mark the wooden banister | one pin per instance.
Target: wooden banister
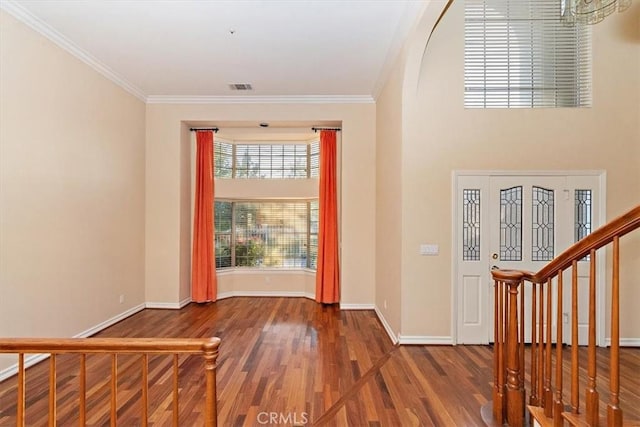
(601, 237)
(207, 348)
(509, 392)
(107, 345)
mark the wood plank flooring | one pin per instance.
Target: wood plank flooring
(287, 361)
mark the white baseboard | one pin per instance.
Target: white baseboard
(115, 319)
(386, 326)
(163, 305)
(625, 342)
(168, 305)
(357, 306)
(37, 358)
(424, 340)
(28, 362)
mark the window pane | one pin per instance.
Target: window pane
(271, 234)
(222, 217)
(542, 225)
(271, 161)
(314, 149)
(313, 234)
(222, 221)
(223, 159)
(511, 224)
(223, 250)
(471, 225)
(519, 54)
(583, 218)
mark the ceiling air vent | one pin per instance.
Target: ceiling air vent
(240, 86)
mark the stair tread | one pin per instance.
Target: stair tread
(580, 420)
(537, 413)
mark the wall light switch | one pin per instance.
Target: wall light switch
(429, 249)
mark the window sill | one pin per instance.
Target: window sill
(263, 270)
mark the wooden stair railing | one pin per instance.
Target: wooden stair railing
(546, 400)
(208, 348)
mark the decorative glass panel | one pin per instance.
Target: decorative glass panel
(583, 214)
(471, 225)
(542, 225)
(511, 224)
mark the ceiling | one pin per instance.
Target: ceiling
(170, 49)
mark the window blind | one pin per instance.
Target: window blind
(518, 54)
(223, 159)
(281, 234)
(314, 158)
(267, 161)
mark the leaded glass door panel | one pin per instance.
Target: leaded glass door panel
(527, 225)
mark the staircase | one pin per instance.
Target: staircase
(546, 404)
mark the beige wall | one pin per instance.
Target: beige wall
(167, 182)
(266, 189)
(440, 136)
(389, 200)
(264, 282)
(71, 190)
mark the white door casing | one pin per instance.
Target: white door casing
(477, 230)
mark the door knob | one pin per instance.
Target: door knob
(495, 267)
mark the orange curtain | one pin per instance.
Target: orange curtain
(328, 269)
(203, 263)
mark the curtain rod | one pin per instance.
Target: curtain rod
(317, 129)
(197, 129)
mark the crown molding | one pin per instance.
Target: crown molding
(24, 15)
(285, 99)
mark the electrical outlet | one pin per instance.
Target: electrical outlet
(384, 304)
(121, 298)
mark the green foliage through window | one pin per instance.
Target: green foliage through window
(266, 234)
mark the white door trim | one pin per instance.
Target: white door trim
(602, 211)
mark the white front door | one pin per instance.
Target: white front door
(517, 222)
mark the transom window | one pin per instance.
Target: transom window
(266, 161)
(518, 54)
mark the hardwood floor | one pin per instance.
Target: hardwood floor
(287, 361)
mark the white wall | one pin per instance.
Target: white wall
(71, 191)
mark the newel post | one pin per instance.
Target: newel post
(210, 350)
(507, 349)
